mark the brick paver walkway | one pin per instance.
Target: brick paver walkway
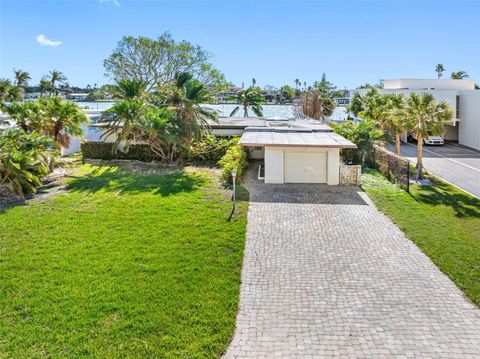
(327, 275)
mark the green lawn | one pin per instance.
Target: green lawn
(442, 220)
(123, 265)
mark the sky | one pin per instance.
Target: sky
(275, 42)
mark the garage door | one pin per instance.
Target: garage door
(305, 167)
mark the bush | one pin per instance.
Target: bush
(24, 161)
(210, 149)
(364, 134)
(235, 157)
(105, 151)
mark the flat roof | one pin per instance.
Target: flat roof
(276, 138)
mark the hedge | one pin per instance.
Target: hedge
(104, 151)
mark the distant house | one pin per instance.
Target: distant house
(33, 95)
(225, 97)
(77, 96)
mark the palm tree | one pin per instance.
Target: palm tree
(9, 92)
(425, 117)
(24, 160)
(61, 119)
(392, 117)
(297, 84)
(248, 98)
(124, 121)
(53, 78)
(185, 101)
(21, 78)
(459, 75)
(130, 89)
(44, 86)
(27, 115)
(439, 70)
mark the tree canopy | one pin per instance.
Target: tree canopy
(156, 61)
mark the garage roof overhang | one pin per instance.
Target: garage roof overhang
(289, 138)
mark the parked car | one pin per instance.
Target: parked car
(431, 140)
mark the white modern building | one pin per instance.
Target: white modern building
(462, 97)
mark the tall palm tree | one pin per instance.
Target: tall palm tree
(248, 98)
(426, 117)
(185, 101)
(392, 117)
(459, 75)
(439, 69)
(21, 78)
(297, 83)
(53, 78)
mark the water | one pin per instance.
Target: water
(224, 110)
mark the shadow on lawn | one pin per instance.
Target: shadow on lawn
(113, 179)
(441, 194)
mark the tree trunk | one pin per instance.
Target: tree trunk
(419, 157)
(397, 143)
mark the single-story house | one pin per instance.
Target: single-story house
(301, 152)
(296, 150)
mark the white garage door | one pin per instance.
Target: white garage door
(305, 167)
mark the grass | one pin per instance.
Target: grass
(123, 265)
(442, 220)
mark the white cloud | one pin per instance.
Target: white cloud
(114, 2)
(45, 41)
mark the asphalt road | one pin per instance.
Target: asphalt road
(455, 164)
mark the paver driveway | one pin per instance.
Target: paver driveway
(327, 275)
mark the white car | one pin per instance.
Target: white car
(431, 140)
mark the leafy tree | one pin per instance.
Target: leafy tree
(156, 61)
(439, 69)
(364, 134)
(21, 78)
(249, 97)
(287, 92)
(24, 161)
(324, 86)
(459, 75)
(425, 117)
(9, 92)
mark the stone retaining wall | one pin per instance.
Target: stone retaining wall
(350, 174)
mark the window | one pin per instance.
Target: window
(457, 107)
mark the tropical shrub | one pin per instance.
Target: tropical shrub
(24, 161)
(210, 148)
(364, 134)
(235, 157)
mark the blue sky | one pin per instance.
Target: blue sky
(353, 42)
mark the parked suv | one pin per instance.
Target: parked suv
(431, 140)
